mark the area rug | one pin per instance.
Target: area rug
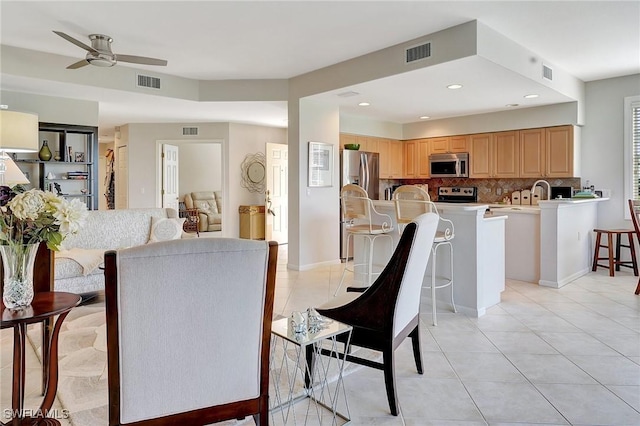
(83, 387)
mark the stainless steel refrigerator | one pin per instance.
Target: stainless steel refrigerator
(362, 169)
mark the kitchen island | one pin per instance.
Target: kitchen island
(550, 244)
(566, 239)
(479, 256)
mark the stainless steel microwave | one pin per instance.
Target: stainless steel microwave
(449, 165)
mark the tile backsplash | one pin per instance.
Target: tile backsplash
(489, 190)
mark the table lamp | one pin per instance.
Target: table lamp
(18, 133)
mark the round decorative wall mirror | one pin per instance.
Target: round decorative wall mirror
(253, 172)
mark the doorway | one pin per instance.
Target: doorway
(200, 168)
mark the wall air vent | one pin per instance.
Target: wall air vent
(147, 81)
(189, 131)
(547, 72)
(416, 53)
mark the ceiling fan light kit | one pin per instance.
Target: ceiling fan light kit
(99, 53)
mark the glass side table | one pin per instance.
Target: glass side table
(290, 371)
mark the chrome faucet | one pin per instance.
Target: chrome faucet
(548, 188)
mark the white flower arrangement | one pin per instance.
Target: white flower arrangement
(34, 216)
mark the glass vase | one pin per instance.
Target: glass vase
(17, 262)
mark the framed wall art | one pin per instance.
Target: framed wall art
(320, 164)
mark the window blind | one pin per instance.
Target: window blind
(635, 140)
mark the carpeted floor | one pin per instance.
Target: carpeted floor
(83, 387)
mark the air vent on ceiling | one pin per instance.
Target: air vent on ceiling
(147, 81)
(189, 131)
(348, 94)
(417, 52)
(547, 72)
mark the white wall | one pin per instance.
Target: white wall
(245, 139)
(200, 167)
(369, 127)
(525, 118)
(603, 142)
(52, 109)
(318, 224)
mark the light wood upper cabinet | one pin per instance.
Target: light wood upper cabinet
(494, 155)
(410, 152)
(391, 158)
(383, 150)
(480, 153)
(346, 138)
(506, 155)
(439, 145)
(396, 157)
(449, 144)
(459, 143)
(532, 153)
(422, 163)
(559, 151)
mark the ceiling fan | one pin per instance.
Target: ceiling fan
(100, 54)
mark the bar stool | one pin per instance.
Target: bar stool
(363, 220)
(411, 201)
(614, 260)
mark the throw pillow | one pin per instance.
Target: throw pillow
(165, 229)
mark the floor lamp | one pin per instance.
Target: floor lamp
(18, 133)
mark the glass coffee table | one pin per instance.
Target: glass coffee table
(292, 380)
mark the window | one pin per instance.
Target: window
(632, 150)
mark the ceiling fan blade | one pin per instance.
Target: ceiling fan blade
(140, 60)
(76, 42)
(78, 64)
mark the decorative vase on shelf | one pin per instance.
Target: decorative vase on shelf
(18, 261)
(57, 156)
(45, 152)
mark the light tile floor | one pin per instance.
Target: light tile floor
(541, 356)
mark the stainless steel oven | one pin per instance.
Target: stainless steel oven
(449, 165)
(458, 194)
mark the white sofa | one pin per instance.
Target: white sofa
(104, 230)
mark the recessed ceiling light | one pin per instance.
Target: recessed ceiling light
(364, 104)
(512, 105)
(531, 96)
(424, 117)
(454, 86)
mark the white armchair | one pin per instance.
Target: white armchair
(188, 330)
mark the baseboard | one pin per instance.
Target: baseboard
(564, 281)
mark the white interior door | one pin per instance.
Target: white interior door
(277, 193)
(170, 176)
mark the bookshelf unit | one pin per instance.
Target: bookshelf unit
(74, 175)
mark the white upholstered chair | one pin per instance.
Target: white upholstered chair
(411, 201)
(388, 311)
(364, 221)
(188, 331)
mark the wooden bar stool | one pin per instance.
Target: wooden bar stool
(614, 260)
